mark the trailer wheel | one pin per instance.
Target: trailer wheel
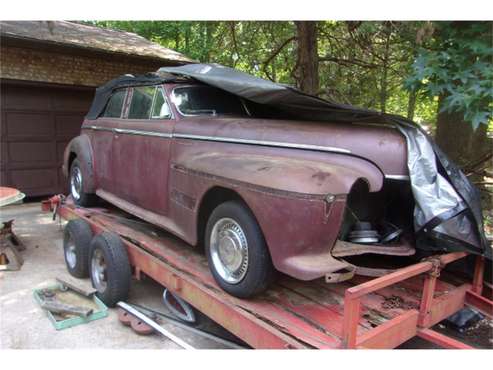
(76, 182)
(236, 250)
(77, 238)
(109, 268)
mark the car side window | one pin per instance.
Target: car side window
(141, 104)
(160, 109)
(115, 104)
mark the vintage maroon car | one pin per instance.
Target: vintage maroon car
(260, 194)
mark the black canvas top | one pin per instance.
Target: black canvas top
(103, 93)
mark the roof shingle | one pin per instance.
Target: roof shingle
(90, 37)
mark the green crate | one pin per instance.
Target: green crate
(99, 308)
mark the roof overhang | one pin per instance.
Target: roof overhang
(56, 47)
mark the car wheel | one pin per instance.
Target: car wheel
(76, 182)
(77, 238)
(109, 268)
(236, 250)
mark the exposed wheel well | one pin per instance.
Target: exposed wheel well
(393, 204)
(212, 198)
(71, 158)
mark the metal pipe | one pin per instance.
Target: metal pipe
(154, 325)
(181, 325)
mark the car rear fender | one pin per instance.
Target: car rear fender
(80, 147)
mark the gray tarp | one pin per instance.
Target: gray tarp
(447, 213)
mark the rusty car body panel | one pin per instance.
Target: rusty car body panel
(295, 176)
(80, 147)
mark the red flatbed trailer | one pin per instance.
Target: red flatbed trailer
(382, 312)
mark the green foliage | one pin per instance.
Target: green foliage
(361, 63)
(456, 65)
(243, 45)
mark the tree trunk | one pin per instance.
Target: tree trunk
(384, 79)
(458, 139)
(188, 32)
(209, 29)
(307, 57)
(411, 105)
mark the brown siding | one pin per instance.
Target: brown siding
(38, 65)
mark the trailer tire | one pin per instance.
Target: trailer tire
(77, 237)
(247, 274)
(109, 268)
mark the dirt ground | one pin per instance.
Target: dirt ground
(23, 324)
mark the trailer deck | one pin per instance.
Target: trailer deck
(382, 312)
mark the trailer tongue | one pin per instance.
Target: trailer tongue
(361, 313)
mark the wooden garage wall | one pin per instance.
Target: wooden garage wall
(37, 122)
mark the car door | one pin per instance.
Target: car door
(141, 149)
(101, 135)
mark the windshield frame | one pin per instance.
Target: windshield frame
(172, 100)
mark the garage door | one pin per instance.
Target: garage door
(37, 122)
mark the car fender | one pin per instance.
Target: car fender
(285, 189)
(81, 147)
(333, 174)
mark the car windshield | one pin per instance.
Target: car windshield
(206, 100)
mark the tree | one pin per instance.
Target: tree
(307, 61)
(361, 63)
(454, 66)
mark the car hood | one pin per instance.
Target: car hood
(382, 145)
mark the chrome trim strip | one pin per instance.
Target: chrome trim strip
(263, 143)
(142, 133)
(224, 139)
(99, 128)
(397, 177)
(130, 132)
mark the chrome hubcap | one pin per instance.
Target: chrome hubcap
(229, 250)
(98, 271)
(76, 183)
(70, 255)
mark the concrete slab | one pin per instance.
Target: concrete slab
(23, 324)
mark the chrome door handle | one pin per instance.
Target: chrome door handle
(116, 131)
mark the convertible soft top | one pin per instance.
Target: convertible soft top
(104, 92)
(447, 215)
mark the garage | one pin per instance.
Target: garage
(38, 120)
(49, 72)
